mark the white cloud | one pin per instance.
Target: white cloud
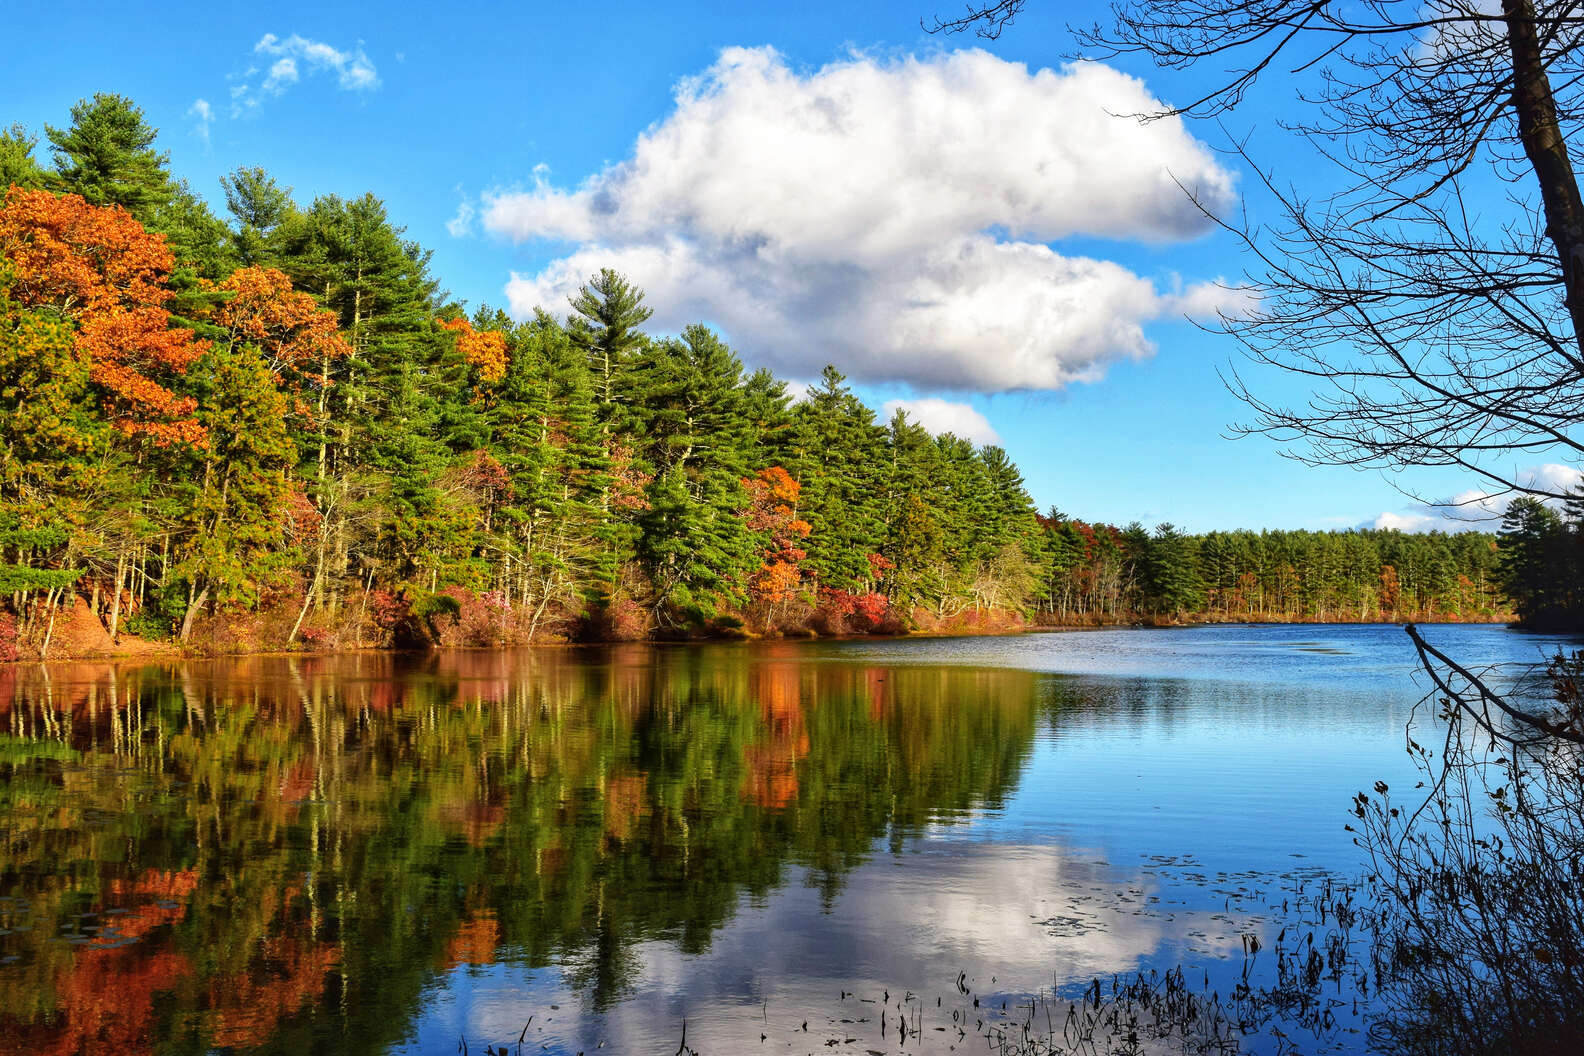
(890, 216)
(353, 70)
(295, 56)
(944, 416)
(1459, 27)
(282, 75)
(1408, 522)
(1553, 477)
(1480, 510)
(1016, 920)
(202, 113)
(462, 223)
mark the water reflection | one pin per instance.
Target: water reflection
(286, 853)
(377, 853)
(1009, 919)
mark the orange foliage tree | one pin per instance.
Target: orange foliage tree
(772, 513)
(484, 350)
(290, 330)
(100, 269)
(1390, 590)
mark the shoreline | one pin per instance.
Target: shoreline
(153, 652)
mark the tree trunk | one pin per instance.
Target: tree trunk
(115, 605)
(193, 607)
(313, 587)
(1547, 151)
(50, 631)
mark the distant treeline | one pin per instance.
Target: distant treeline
(1102, 573)
(275, 430)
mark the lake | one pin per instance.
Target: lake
(775, 842)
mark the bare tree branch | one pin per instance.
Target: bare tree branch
(1431, 287)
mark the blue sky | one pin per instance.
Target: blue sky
(478, 126)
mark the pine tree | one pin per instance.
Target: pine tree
(235, 509)
(1533, 564)
(198, 239)
(768, 411)
(107, 155)
(689, 408)
(838, 458)
(390, 409)
(606, 314)
(18, 167)
(260, 207)
(914, 540)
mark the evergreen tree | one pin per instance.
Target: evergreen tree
(838, 459)
(527, 437)
(18, 168)
(606, 314)
(1171, 572)
(107, 155)
(914, 540)
(235, 511)
(198, 238)
(259, 207)
(1535, 562)
(1009, 512)
(768, 411)
(689, 406)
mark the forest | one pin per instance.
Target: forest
(274, 429)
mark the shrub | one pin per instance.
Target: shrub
(1478, 889)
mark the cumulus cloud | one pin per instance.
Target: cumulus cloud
(290, 59)
(203, 116)
(944, 416)
(1409, 522)
(1480, 510)
(892, 216)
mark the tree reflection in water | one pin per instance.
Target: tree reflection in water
(283, 852)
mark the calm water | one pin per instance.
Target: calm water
(376, 854)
